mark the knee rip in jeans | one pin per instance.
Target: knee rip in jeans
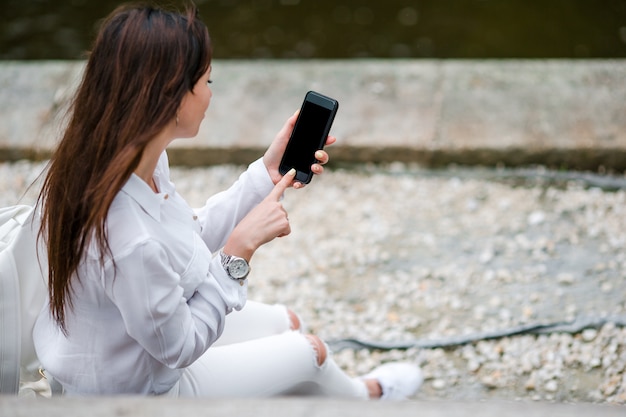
(319, 347)
(294, 320)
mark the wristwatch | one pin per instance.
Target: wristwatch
(237, 268)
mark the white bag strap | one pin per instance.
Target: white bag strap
(11, 221)
(9, 327)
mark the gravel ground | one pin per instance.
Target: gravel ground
(399, 253)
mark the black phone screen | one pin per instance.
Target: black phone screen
(308, 136)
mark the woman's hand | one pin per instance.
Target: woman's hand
(267, 221)
(275, 152)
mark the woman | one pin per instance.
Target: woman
(139, 288)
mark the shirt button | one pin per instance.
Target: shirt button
(166, 196)
(195, 217)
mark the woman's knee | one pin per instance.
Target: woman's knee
(321, 352)
(294, 320)
(320, 348)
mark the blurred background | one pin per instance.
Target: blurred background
(330, 29)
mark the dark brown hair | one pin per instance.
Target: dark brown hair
(143, 62)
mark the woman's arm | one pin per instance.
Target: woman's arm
(224, 211)
(150, 298)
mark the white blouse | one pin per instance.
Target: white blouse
(138, 321)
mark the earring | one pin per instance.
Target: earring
(177, 120)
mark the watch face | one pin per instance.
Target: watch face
(238, 268)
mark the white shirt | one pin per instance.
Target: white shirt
(133, 328)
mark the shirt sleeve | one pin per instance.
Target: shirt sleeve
(223, 211)
(173, 329)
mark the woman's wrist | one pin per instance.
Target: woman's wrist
(237, 248)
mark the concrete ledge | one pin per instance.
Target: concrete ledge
(315, 407)
(560, 113)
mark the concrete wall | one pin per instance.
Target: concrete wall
(289, 407)
(561, 113)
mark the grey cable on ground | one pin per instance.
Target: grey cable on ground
(572, 327)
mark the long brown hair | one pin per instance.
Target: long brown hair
(143, 62)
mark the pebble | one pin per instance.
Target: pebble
(589, 334)
(439, 384)
(551, 386)
(409, 254)
(565, 278)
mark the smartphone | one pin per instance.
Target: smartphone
(309, 134)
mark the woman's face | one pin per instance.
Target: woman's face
(193, 107)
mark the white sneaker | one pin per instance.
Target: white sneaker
(398, 380)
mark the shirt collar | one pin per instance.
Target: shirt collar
(148, 200)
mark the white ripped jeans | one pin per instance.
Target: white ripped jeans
(258, 355)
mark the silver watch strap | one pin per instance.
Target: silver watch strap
(225, 259)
